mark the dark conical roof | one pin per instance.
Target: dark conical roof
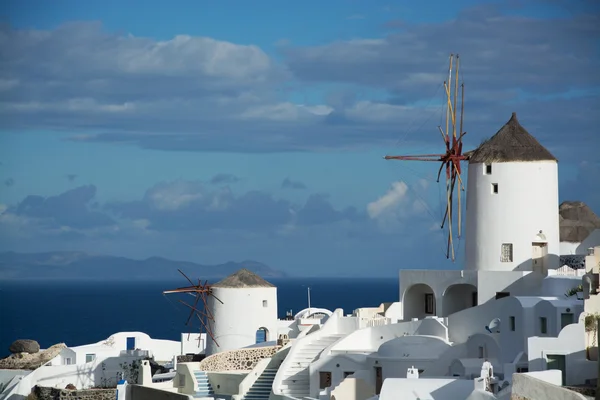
(577, 221)
(243, 279)
(511, 143)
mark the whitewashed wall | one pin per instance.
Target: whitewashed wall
(526, 203)
(571, 343)
(240, 315)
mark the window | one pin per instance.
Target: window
(324, 379)
(474, 299)
(480, 352)
(378, 379)
(543, 325)
(506, 252)
(265, 303)
(90, 357)
(488, 169)
(512, 324)
(68, 361)
(501, 295)
(565, 319)
(429, 303)
(494, 188)
(520, 370)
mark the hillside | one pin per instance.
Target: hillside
(77, 265)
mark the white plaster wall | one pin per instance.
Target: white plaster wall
(394, 312)
(592, 240)
(558, 285)
(289, 328)
(415, 389)
(162, 350)
(240, 315)
(193, 343)
(517, 283)
(226, 383)
(437, 280)
(399, 354)
(333, 325)
(63, 355)
(526, 203)
(353, 388)
(571, 343)
(568, 248)
(368, 340)
(337, 365)
(552, 310)
(463, 324)
(535, 385)
(514, 342)
(83, 376)
(489, 343)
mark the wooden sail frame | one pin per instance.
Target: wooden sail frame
(452, 136)
(200, 309)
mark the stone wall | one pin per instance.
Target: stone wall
(190, 358)
(48, 393)
(237, 360)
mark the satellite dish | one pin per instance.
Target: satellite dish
(493, 326)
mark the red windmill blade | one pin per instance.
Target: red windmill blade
(451, 158)
(199, 309)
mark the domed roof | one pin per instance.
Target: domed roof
(511, 143)
(243, 279)
(413, 347)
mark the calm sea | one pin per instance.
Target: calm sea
(79, 313)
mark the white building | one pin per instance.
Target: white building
(100, 364)
(460, 334)
(136, 344)
(243, 305)
(512, 229)
(512, 204)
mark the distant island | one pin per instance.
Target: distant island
(73, 265)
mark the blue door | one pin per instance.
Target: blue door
(261, 335)
(130, 343)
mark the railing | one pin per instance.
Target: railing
(329, 327)
(375, 321)
(267, 363)
(251, 378)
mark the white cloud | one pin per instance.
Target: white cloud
(202, 94)
(389, 202)
(172, 196)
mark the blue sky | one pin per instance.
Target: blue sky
(229, 130)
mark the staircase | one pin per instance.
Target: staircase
(295, 382)
(261, 389)
(204, 387)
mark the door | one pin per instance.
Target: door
(429, 304)
(538, 255)
(378, 380)
(261, 335)
(565, 319)
(130, 343)
(557, 361)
